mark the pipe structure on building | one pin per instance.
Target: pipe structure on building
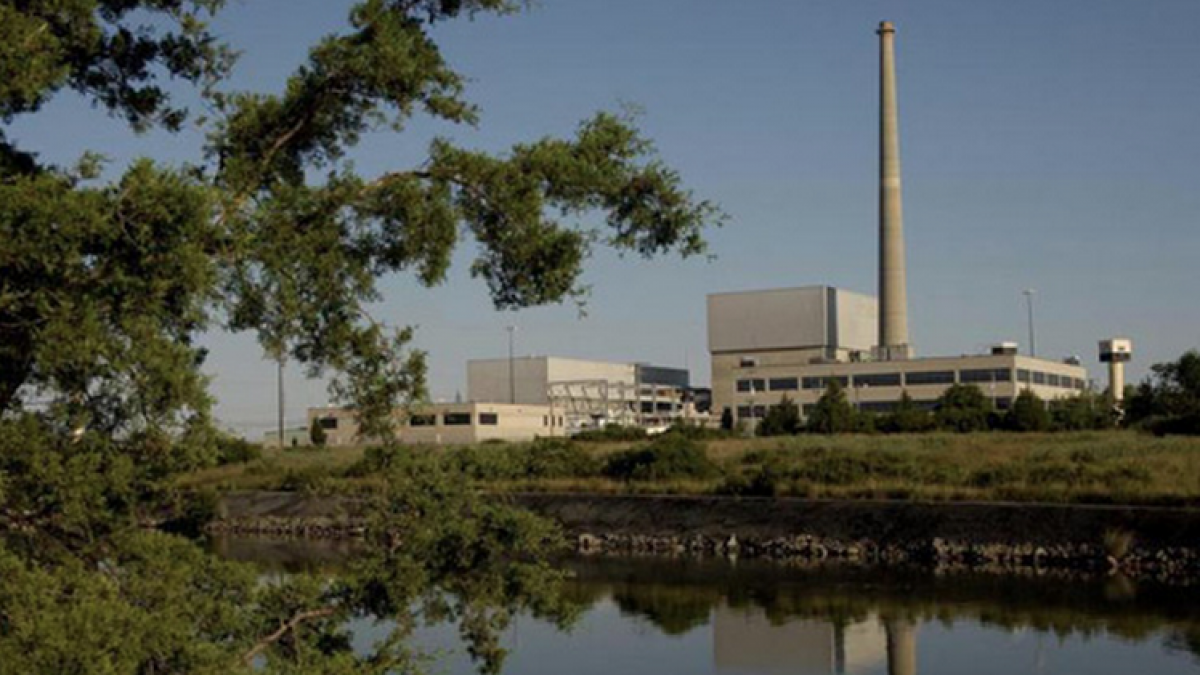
(893, 291)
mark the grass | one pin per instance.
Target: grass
(1084, 467)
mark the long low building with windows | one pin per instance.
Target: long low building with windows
(878, 386)
(767, 345)
(448, 423)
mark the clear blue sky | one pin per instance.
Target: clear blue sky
(1050, 145)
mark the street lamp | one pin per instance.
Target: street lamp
(512, 379)
(1029, 305)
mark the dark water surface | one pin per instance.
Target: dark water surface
(717, 617)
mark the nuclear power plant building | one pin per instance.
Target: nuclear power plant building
(771, 344)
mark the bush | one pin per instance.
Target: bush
(697, 432)
(962, 408)
(781, 420)
(832, 413)
(235, 450)
(1028, 413)
(666, 457)
(907, 418)
(316, 433)
(611, 433)
(558, 458)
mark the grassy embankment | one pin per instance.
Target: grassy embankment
(1086, 467)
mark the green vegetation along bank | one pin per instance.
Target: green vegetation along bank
(1111, 467)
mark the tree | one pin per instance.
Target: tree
(1168, 402)
(782, 419)
(105, 285)
(1028, 413)
(906, 418)
(832, 413)
(962, 408)
(316, 433)
(1082, 412)
(727, 419)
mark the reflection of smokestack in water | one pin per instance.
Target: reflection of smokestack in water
(893, 292)
(901, 647)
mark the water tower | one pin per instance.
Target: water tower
(1116, 353)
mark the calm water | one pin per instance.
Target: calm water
(668, 617)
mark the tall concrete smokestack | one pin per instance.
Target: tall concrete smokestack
(893, 283)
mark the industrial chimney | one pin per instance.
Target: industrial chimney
(893, 291)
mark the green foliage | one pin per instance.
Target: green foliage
(832, 413)
(1084, 412)
(906, 418)
(962, 408)
(107, 285)
(781, 420)
(1028, 413)
(316, 433)
(542, 458)
(1169, 401)
(727, 419)
(236, 450)
(667, 457)
(611, 433)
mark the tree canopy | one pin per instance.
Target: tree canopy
(106, 284)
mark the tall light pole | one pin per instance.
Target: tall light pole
(512, 377)
(1029, 305)
(279, 379)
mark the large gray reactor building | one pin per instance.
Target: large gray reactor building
(767, 345)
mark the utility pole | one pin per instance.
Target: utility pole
(512, 370)
(1029, 305)
(279, 380)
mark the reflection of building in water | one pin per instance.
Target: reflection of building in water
(745, 642)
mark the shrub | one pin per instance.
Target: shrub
(610, 433)
(781, 420)
(1028, 413)
(666, 457)
(962, 408)
(316, 433)
(235, 450)
(907, 418)
(832, 413)
(558, 458)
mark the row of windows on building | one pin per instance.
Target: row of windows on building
(877, 407)
(450, 419)
(916, 378)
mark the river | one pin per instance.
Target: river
(721, 617)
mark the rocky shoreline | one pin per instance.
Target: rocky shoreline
(1157, 544)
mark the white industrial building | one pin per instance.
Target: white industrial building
(447, 424)
(586, 393)
(770, 344)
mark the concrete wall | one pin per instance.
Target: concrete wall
(791, 318)
(857, 320)
(771, 319)
(487, 380)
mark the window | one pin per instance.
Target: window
(1052, 379)
(930, 377)
(1039, 377)
(456, 419)
(760, 411)
(1080, 384)
(784, 384)
(328, 423)
(820, 382)
(1023, 375)
(743, 412)
(984, 376)
(877, 380)
(490, 419)
(422, 420)
(747, 362)
(877, 406)
(754, 385)
(545, 420)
